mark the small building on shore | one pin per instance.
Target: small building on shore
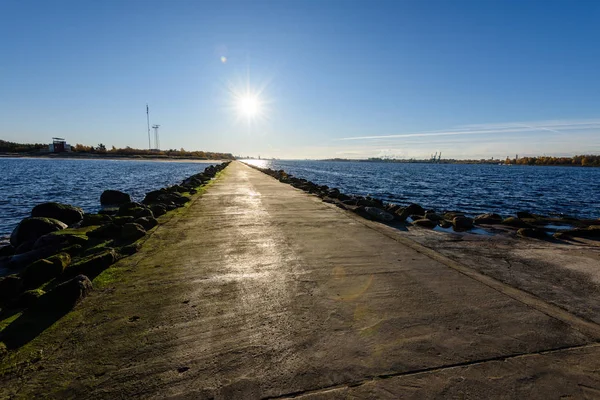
(59, 145)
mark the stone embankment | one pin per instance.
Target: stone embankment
(523, 224)
(54, 254)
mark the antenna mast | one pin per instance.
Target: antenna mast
(148, 120)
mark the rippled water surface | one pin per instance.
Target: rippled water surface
(25, 183)
(475, 189)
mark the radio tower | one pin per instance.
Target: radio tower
(156, 141)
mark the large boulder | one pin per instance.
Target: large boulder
(45, 269)
(108, 231)
(433, 216)
(95, 219)
(7, 250)
(158, 209)
(462, 223)
(591, 232)
(66, 295)
(31, 229)
(147, 222)
(489, 218)
(136, 210)
(176, 198)
(114, 197)
(63, 212)
(29, 297)
(379, 214)
(425, 223)
(92, 265)
(132, 232)
(412, 209)
(60, 239)
(10, 287)
(516, 223)
(152, 197)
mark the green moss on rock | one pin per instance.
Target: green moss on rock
(92, 265)
(63, 212)
(45, 269)
(29, 297)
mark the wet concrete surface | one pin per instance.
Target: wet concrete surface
(259, 290)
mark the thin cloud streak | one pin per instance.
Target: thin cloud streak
(494, 129)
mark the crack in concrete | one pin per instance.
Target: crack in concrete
(379, 377)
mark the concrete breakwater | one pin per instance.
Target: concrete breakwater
(523, 224)
(55, 253)
(259, 290)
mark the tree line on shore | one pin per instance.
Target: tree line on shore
(100, 149)
(583, 161)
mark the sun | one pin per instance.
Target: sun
(249, 105)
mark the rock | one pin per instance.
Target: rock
(43, 270)
(107, 231)
(135, 210)
(63, 212)
(73, 250)
(7, 250)
(175, 198)
(59, 239)
(158, 209)
(450, 215)
(490, 218)
(66, 295)
(367, 203)
(416, 217)
(33, 228)
(535, 233)
(412, 209)
(445, 224)
(379, 214)
(114, 197)
(22, 260)
(462, 223)
(10, 287)
(516, 223)
(123, 220)
(29, 297)
(95, 219)
(525, 214)
(130, 249)
(25, 247)
(591, 232)
(92, 265)
(433, 216)
(147, 223)
(392, 208)
(425, 223)
(132, 231)
(152, 197)
(110, 211)
(343, 197)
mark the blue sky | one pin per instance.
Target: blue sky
(335, 78)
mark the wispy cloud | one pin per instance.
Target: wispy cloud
(496, 129)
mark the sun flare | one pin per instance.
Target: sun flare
(249, 106)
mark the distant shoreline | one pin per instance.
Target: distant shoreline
(443, 162)
(71, 156)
